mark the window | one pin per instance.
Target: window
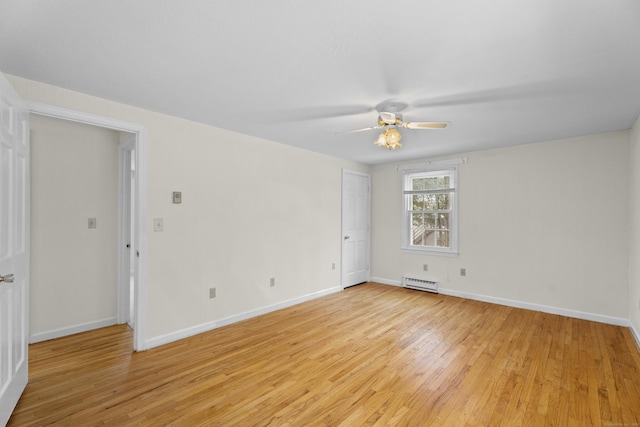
(430, 211)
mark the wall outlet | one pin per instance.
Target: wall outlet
(425, 267)
(93, 223)
(272, 282)
(212, 293)
(463, 271)
(333, 266)
(177, 197)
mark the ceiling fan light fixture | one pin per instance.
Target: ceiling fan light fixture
(390, 139)
(391, 121)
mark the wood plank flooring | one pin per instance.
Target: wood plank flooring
(371, 355)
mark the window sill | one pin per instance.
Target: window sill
(429, 252)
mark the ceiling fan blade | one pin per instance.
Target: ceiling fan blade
(313, 113)
(496, 94)
(426, 125)
(359, 130)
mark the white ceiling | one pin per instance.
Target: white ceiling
(503, 72)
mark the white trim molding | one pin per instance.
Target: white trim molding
(82, 117)
(70, 330)
(204, 327)
(618, 321)
(387, 281)
(435, 164)
(635, 333)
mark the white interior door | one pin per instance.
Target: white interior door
(14, 247)
(356, 220)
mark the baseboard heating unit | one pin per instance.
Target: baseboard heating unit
(420, 284)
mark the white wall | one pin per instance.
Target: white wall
(73, 268)
(634, 236)
(255, 209)
(545, 224)
(252, 209)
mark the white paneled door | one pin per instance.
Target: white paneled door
(356, 219)
(14, 247)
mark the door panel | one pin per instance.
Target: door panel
(355, 228)
(14, 247)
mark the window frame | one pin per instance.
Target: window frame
(407, 194)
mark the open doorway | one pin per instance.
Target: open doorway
(131, 215)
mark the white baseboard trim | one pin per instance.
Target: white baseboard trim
(198, 329)
(386, 281)
(70, 330)
(618, 321)
(635, 334)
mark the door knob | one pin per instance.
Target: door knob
(8, 278)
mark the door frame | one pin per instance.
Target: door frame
(125, 239)
(140, 142)
(342, 231)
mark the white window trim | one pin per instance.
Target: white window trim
(432, 166)
(445, 165)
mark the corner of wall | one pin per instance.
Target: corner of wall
(634, 239)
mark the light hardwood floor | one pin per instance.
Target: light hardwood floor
(370, 355)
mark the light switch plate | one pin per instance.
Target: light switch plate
(93, 223)
(158, 224)
(177, 197)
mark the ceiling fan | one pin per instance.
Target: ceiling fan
(389, 119)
